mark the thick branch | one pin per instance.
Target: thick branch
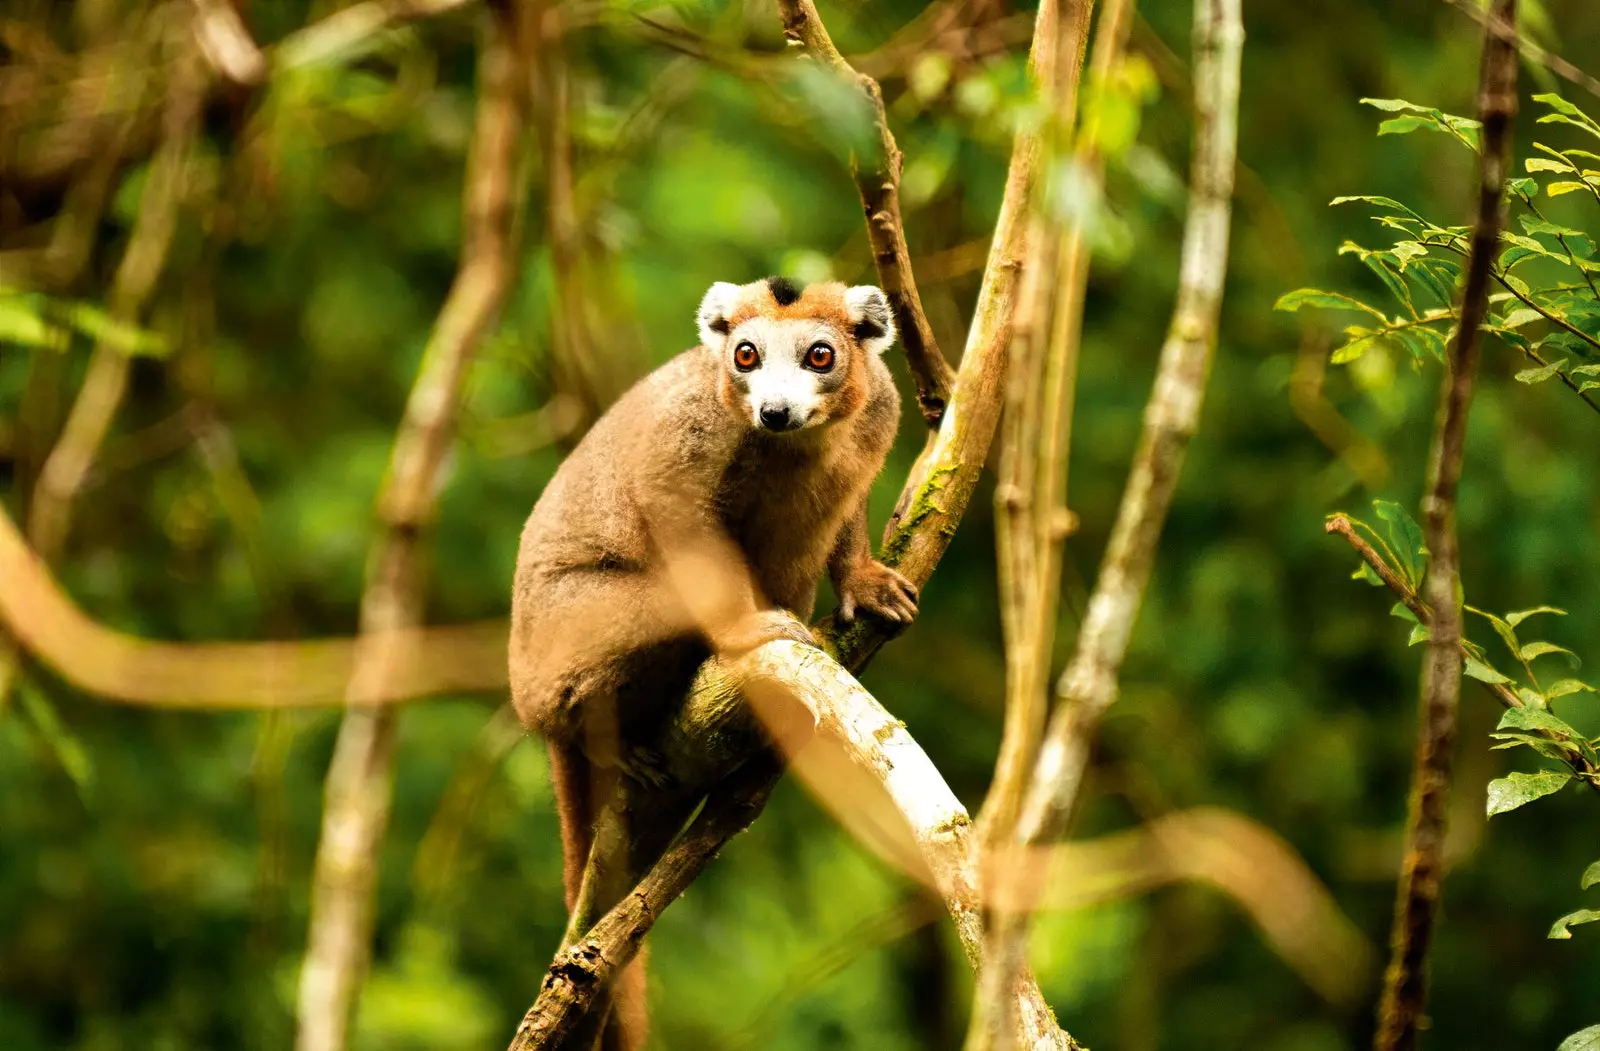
(866, 768)
(466, 658)
(878, 181)
(359, 778)
(1405, 988)
(1089, 685)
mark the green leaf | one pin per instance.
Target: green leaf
(1540, 649)
(1477, 669)
(1566, 112)
(1533, 224)
(1419, 633)
(1519, 317)
(1534, 719)
(1516, 617)
(59, 738)
(22, 323)
(1384, 202)
(1542, 373)
(1360, 340)
(1365, 572)
(1590, 877)
(1539, 164)
(1507, 634)
(1316, 297)
(1405, 251)
(1461, 128)
(1583, 1040)
(1567, 687)
(1515, 790)
(1561, 929)
(1556, 189)
(1405, 539)
(1560, 751)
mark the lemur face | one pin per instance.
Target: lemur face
(793, 360)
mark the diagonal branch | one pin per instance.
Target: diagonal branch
(361, 774)
(878, 181)
(1089, 685)
(1405, 987)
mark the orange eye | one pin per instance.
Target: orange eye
(745, 357)
(820, 357)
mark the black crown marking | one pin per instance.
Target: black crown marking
(783, 290)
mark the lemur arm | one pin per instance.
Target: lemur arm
(862, 582)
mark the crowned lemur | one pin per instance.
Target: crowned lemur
(697, 514)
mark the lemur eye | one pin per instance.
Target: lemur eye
(745, 357)
(820, 357)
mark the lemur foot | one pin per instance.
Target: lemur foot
(878, 590)
(768, 625)
(646, 766)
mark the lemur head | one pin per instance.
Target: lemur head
(791, 358)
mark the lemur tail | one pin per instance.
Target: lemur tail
(573, 777)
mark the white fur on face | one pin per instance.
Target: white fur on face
(781, 381)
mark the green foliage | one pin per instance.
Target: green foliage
(1546, 274)
(1515, 790)
(1562, 928)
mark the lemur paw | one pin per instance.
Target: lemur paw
(879, 590)
(767, 625)
(645, 766)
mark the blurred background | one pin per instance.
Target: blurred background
(154, 866)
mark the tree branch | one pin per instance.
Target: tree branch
(1032, 520)
(1089, 685)
(360, 776)
(878, 182)
(1405, 988)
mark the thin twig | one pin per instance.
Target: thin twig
(1089, 685)
(935, 497)
(361, 774)
(1507, 697)
(878, 181)
(1529, 50)
(1405, 990)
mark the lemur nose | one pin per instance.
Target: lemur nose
(775, 419)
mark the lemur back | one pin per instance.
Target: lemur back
(714, 492)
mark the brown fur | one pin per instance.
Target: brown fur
(613, 610)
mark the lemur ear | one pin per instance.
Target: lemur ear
(868, 309)
(715, 309)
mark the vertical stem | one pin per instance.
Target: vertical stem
(1405, 987)
(1089, 685)
(360, 777)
